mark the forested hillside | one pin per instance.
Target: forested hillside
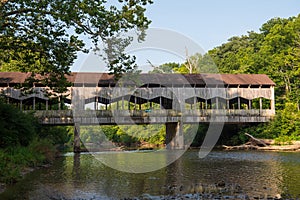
(275, 51)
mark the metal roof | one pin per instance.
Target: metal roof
(162, 79)
(13, 77)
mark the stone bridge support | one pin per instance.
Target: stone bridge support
(174, 135)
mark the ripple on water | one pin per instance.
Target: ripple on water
(257, 174)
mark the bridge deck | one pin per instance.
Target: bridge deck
(106, 117)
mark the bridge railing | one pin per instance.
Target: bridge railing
(69, 117)
(149, 113)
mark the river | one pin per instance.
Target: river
(257, 174)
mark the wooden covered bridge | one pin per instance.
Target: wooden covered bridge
(171, 99)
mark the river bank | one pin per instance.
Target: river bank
(265, 145)
(18, 161)
(287, 148)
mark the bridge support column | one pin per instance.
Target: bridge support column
(260, 104)
(76, 147)
(250, 104)
(96, 103)
(174, 135)
(227, 104)
(273, 100)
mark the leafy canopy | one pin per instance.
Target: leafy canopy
(44, 36)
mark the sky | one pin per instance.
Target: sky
(202, 23)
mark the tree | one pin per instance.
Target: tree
(197, 63)
(281, 50)
(165, 68)
(44, 36)
(16, 127)
(274, 51)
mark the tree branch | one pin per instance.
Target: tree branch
(24, 10)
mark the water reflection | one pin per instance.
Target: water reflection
(75, 176)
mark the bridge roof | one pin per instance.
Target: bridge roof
(162, 79)
(13, 77)
(175, 79)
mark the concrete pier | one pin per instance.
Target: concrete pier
(76, 146)
(174, 135)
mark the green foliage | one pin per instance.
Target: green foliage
(274, 51)
(55, 135)
(24, 143)
(16, 127)
(158, 138)
(286, 126)
(93, 134)
(14, 160)
(39, 151)
(197, 63)
(43, 150)
(124, 135)
(167, 68)
(45, 36)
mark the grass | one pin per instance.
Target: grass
(14, 160)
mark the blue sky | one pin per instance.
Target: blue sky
(212, 22)
(209, 23)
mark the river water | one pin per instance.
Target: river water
(257, 174)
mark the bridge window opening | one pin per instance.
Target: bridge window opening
(142, 103)
(131, 106)
(208, 104)
(102, 103)
(214, 103)
(166, 103)
(89, 106)
(13, 102)
(29, 103)
(159, 103)
(156, 104)
(40, 104)
(234, 103)
(114, 105)
(240, 103)
(188, 106)
(192, 103)
(137, 103)
(56, 104)
(245, 104)
(222, 103)
(103, 106)
(201, 103)
(261, 103)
